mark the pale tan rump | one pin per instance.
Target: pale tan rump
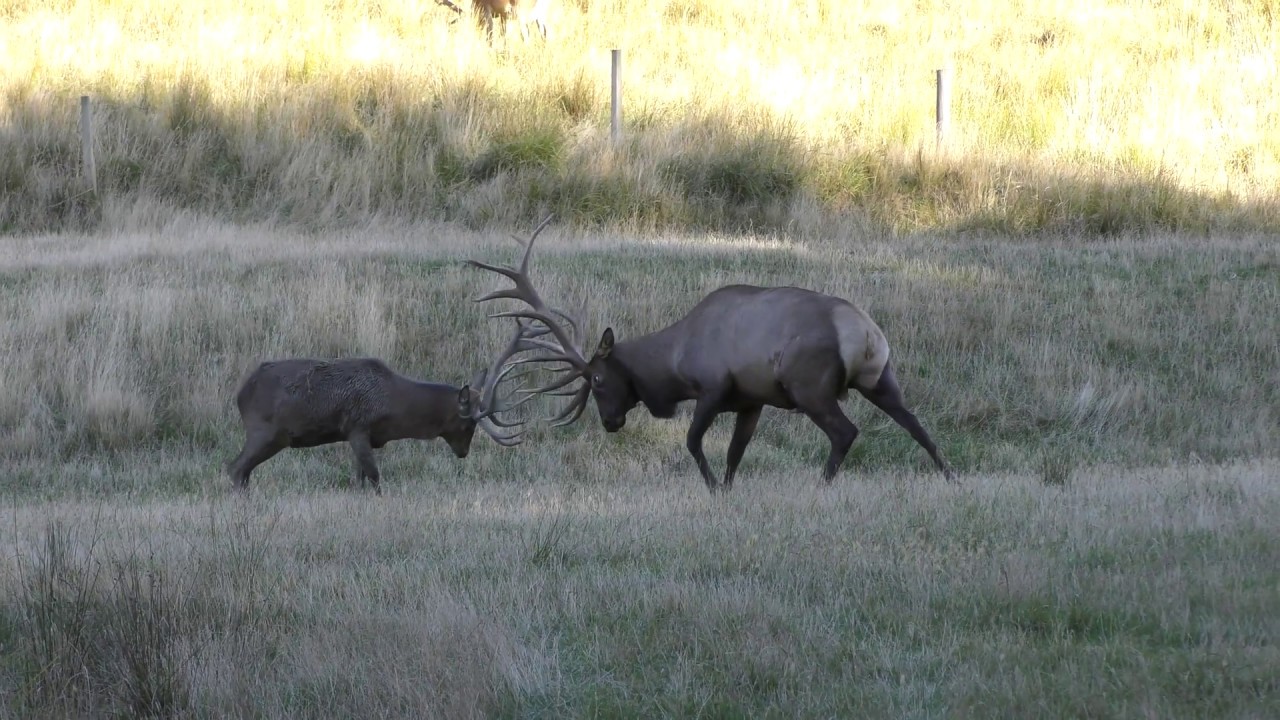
(863, 348)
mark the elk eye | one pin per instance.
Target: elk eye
(596, 380)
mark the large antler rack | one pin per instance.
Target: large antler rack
(488, 380)
(566, 346)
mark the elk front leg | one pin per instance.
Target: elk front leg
(743, 428)
(365, 464)
(704, 413)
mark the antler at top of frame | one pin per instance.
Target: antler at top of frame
(566, 347)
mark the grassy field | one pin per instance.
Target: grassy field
(1127, 594)
(1079, 289)
(1111, 407)
(813, 118)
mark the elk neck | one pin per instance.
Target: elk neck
(422, 410)
(650, 364)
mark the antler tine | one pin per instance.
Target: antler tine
(528, 247)
(488, 406)
(495, 420)
(524, 291)
(487, 418)
(556, 385)
(503, 439)
(565, 393)
(574, 409)
(573, 325)
(537, 332)
(557, 351)
(546, 359)
(499, 369)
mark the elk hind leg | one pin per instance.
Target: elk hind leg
(820, 404)
(840, 431)
(887, 395)
(258, 448)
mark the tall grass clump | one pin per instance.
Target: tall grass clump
(1104, 116)
(103, 617)
(738, 182)
(95, 636)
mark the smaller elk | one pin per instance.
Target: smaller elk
(301, 402)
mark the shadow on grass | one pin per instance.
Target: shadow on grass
(382, 151)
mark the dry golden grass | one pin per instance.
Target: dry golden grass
(807, 116)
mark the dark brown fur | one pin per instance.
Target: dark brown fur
(303, 402)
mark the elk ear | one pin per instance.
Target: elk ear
(464, 401)
(606, 344)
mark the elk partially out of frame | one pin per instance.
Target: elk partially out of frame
(523, 12)
(741, 348)
(301, 402)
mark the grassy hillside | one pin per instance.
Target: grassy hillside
(809, 117)
(1142, 351)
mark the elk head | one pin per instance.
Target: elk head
(611, 387)
(478, 402)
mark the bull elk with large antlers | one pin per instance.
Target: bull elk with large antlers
(301, 402)
(741, 348)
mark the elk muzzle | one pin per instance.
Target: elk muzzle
(460, 443)
(613, 424)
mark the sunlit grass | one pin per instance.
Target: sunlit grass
(802, 116)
